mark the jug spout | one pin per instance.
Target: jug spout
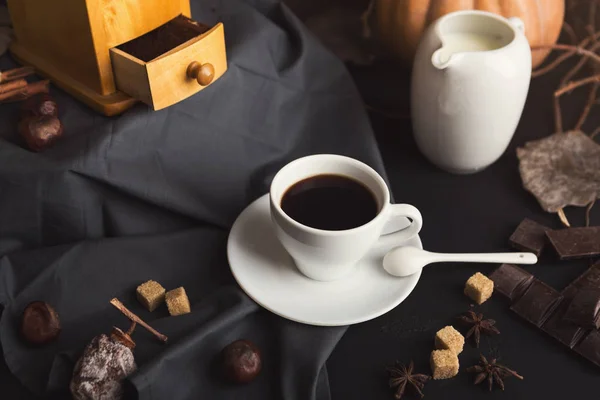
(442, 59)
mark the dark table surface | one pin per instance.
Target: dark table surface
(471, 213)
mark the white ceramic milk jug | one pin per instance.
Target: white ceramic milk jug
(470, 79)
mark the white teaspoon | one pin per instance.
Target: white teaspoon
(407, 260)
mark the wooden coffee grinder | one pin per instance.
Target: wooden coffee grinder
(113, 53)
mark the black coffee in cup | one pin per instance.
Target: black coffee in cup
(330, 202)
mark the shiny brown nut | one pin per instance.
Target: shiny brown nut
(40, 132)
(241, 361)
(41, 104)
(39, 323)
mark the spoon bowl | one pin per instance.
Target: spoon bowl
(407, 260)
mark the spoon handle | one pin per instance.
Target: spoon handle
(509, 258)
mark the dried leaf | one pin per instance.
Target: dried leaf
(561, 170)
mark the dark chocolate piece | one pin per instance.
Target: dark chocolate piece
(529, 236)
(546, 308)
(575, 242)
(584, 307)
(588, 280)
(511, 281)
(589, 347)
(101, 370)
(537, 303)
(563, 331)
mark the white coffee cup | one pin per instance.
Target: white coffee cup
(327, 255)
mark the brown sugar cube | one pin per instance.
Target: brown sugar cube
(151, 294)
(444, 364)
(177, 301)
(449, 338)
(479, 288)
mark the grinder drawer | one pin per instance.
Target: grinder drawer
(170, 63)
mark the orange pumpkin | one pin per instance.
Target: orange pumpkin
(399, 24)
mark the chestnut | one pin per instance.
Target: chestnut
(241, 361)
(41, 104)
(40, 132)
(39, 323)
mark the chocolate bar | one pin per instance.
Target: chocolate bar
(589, 279)
(589, 347)
(511, 281)
(583, 309)
(537, 303)
(544, 307)
(564, 331)
(574, 243)
(529, 236)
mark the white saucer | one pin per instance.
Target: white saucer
(268, 275)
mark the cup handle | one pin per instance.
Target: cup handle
(402, 235)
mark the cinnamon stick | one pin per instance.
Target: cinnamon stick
(17, 73)
(12, 85)
(25, 92)
(121, 307)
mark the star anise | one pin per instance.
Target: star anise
(401, 376)
(478, 326)
(493, 372)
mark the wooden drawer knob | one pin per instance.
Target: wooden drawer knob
(203, 73)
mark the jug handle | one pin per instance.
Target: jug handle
(517, 23)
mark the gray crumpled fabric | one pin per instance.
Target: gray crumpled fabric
(152, 195)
